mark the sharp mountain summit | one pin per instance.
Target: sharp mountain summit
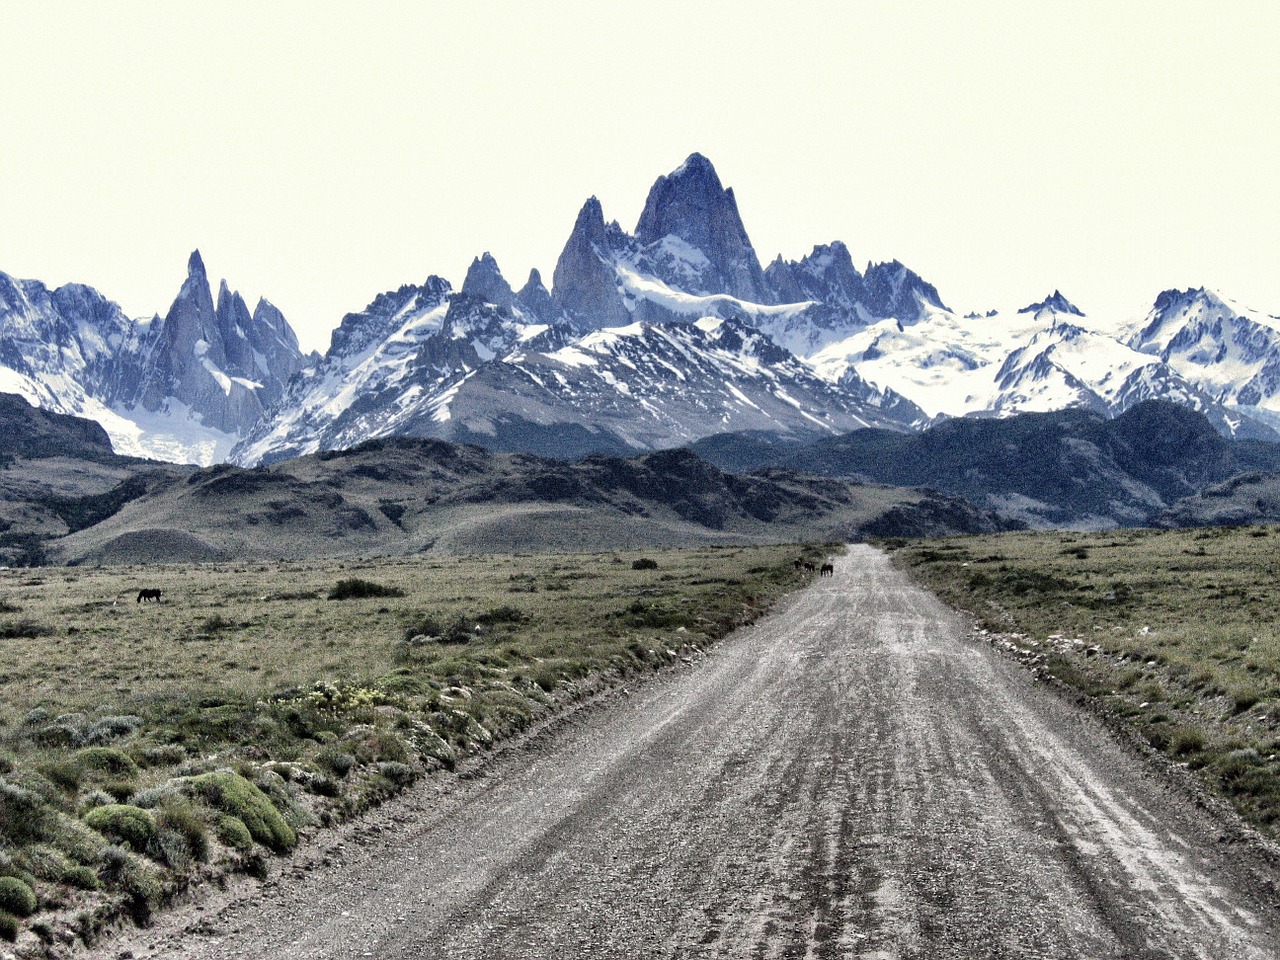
(646, 340)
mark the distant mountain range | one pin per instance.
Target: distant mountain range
(65, 497)
(1070, 468)
(646, 340)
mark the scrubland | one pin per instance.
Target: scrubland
(145, 746)
(1173, 633)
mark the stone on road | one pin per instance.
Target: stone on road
(851, 777)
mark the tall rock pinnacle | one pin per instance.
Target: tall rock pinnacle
(691, 204)
(584, 282)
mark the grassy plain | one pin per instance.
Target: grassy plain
(1175, 632)
(139, 742)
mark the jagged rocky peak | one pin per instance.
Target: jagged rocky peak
(485, 281)
(827, 274)
(195, 267)
(360, 330)
(535, 298)
(894, 290)
(1174, 301)
(1054, 303)
(585, 284)
(219, 360)
(691, 205)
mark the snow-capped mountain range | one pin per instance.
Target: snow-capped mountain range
(183, 387)
(645, 340)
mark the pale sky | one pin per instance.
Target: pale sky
(320, 153)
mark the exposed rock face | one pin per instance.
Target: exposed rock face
(172, 388)
(690, 205)
(644, 342)
(535, 299)
(1232, 352)
(585, 284)
(219, 360)
(1055, 303)
(485, 282)
(895, 291)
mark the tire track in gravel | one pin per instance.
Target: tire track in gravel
(851, 777)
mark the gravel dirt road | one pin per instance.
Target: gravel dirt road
(852, 777)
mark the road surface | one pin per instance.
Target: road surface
(852, 777)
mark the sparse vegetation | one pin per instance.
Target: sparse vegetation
(355, 588)
(16, 897)
(140, 741)
(1174, 633)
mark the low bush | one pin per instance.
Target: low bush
(227, 791)
(104, 760)
(182, 821)
(9, 926)
(120, 821)
(401, 774)
(233, 832)
(23, 813)
(337, 762)
(16, 897)
(644, 563)
(24, 629)
(503, 614)
(354, 588)
(112, 728)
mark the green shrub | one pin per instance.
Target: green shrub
(1185, 741)
(107, 761)
(338, 762)
(181, 839)
(503, 614)
(354, 588)
(120, 821)
(8, 926)
(233, 832)
(82, 877)
(112, 728)
(16, 897)
(25, 629)
(23, 813)
(401, 774)
(644, 563)
(425, 626)
(216, 624)
(231, 793)
(46, 862)
(74, 838)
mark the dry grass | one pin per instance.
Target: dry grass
(250, 677)
(1177, 632)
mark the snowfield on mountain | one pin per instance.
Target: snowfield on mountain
(645, 340)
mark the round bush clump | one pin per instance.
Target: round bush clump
(8, 926)
(233, 832)
(82, 877)
(644, 563)
(231, 793)
(16, 897)
(105, 760)
(120, 821)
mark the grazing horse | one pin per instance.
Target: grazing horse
(828, 570)
(149, 593)
(809, 567)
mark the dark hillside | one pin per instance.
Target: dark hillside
(1068, 468)
(409, 495)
